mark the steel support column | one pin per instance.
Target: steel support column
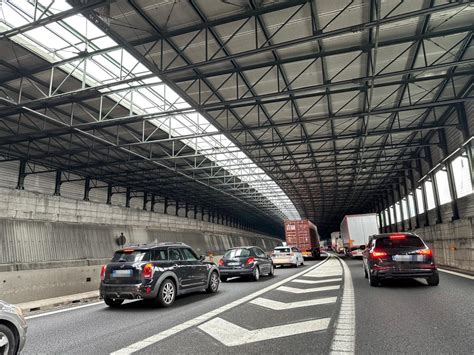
(21, 175)
(87, 188)
(186, 210)
(145, 200)
(166, 204)
(449, 170)
(195, 212)
(109, 194)
(152, 203)
(128, 196)
(176, 211)
(395, 215)
(57, 183)
(407, 194)
(469, 148)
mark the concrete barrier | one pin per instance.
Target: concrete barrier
(53, 246)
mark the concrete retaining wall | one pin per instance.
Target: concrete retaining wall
(53, 246)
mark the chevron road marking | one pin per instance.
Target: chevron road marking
(230, 334)
(323, 274)
(142, 344)
(312, 282)
(280, 306)
(307, 290)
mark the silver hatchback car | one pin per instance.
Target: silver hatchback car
(12, 329)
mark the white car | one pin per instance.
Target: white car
(287, 256)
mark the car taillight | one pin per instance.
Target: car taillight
(397, 236)
(102, 272)
(377, 254)
(148, 271)
(250, 261)
(221, 262)
(425, 252)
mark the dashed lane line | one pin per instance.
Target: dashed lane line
(205, 317)
(230, 334)
(307, 290)
(313, 282)
(280, 306)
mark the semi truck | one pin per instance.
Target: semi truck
(356, 230)
(304, 235)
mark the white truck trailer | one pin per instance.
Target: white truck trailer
(355, 232)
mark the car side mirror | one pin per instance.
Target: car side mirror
(202, 257)
(362, 247)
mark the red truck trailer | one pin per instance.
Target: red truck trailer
(304, 235)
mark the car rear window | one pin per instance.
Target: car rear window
(131, 256)
(235, 253)
(407, 242)
(282, 250)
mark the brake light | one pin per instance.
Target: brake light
(378, 254)
(148, 271)
(128, 251)
(221, 262)
(397, 236)
(102, 272)
(250, 261)
(425, 252)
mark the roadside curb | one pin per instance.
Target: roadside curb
(48, 303)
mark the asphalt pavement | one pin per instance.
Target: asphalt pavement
(299, 310)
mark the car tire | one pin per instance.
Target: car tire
(272, 270)
(296, 265)
(213, 285)
(434, 279)
(113, 302)
(8, 341)
(256, 274)
(166, 293)
(223, 278)
(373, 280)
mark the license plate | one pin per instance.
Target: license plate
(233, 264)
(408, 258)
(122, 273)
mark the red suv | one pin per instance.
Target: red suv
(398, 256)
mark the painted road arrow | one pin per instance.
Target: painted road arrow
(307, 290)
(280, 306)
(230, 334)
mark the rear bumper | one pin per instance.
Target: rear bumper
(235, 272)
(284, 261)
(403, 274)
(130, 292)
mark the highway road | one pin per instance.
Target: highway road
(324, 306)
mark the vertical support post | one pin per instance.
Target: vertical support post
(87, 188)
(176, 212)
(128, 197)
(202, 213)
(109, 193)
(449, 170)
(186, 210)
(208, 215)
(407, 194)
(435, 185)
(152, 203)
(390, 227)
(402, 215)
(464, 124)
(394, 197)
(166, 206)
(195, 212)
(415, 200)
(21, 175)
(57, 183)
(145, 200)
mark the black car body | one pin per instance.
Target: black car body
(398, 256)
(157, 272)
(249, 261)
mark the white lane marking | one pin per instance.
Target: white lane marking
(230, 334)
(324, 274)
(307, 290)
(280, 306)
(312, 282)
(206, 316)
(344, 334)
(457, 274)
(63, 310)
